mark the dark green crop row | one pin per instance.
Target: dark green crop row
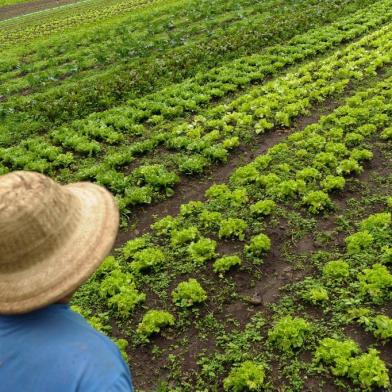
(101, 92)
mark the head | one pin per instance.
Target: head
(52, 238)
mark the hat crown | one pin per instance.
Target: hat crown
(34, 212)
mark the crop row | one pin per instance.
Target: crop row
(172, 20)
(302, 172)
(150, 71)
(53, 21)
(359, 277)
(242, 72)
(205, 140)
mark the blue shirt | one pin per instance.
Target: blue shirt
(55, 350)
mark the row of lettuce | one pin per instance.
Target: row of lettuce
(207, 138)
(48, 22)
(361, 276)
(304, 170)
(156, 59)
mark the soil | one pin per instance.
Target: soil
(13, 10)
(276, 273)
(193, 188)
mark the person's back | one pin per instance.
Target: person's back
(54, 349)
(52, 239)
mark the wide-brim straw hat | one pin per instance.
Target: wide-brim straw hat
(52, 238)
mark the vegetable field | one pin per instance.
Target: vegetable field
(249, 147)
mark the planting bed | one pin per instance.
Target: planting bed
(249, 147)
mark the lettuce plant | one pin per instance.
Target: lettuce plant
(258, 245)
(153, 321)
(369, 371)
(202, 250)
(263, 207)
(317, 201)
(147, 258)
(183, 236)
(336, 269)
(289, 333)
(188, 293)
(248, 376)
(359, 242)
(315, 294)
(331, 183)
(336, 354)
(232, 228)
(225, 263)
(376, 282)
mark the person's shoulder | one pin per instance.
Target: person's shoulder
(92, 355)
(76, 329)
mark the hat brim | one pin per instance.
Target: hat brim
(72, 263)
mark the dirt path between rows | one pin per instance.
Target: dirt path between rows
(193, 188)
(11, 11)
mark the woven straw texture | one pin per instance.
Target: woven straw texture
(52, 238)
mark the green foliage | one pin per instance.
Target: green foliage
(361, 154)
(376, 282)
(210, 219)
(317, 201)
(188, 293)
(108, 265)
(336, 269)
(165, 225)
(132, 246)
(359, 242)
(136, 195)
(194, 164)
(147, 258)
(258, 245)
(122, 345)
(337, 354)
(289, 333)
(155, 175)
(224, 197)
(379, 226)
(248, 376)
(263, 207)
(183, 236)
(382, 327)
(153, 321)
(386, 255)
(348, 166)
(315, 294)
(331, 183)
(232, 228)
(225, 263)
(202, 250)
(120, 290)
(386, 134)
(191, 208)
(369, 371)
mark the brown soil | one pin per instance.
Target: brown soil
(193, 188)
(276, 274)
(13, 10)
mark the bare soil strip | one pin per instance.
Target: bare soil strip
(193, 188)
(11, 11)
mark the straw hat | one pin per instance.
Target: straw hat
(52, 238)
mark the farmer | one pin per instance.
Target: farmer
(52, 238)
